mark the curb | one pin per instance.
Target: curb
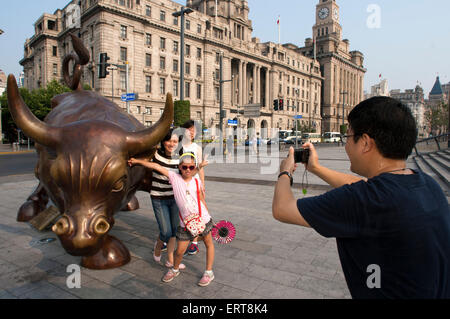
(16, 152)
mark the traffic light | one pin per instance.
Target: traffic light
(275, 105)
(281, 104)
(102, 65)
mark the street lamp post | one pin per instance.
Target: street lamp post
(181, 14)
(221, 82)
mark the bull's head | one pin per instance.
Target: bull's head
(89, 169)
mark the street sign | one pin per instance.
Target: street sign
(252, 110)
(128, 97)
(232, 122)
(298, 117)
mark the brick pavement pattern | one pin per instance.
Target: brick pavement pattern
(267, 259)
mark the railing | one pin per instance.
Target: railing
(432, 144)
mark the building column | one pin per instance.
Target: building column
(241, 84)
(255, 84)
(244, 84)
(258, 84)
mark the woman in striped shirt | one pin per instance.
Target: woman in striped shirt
(163, 201)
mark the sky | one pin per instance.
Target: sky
(406, 41)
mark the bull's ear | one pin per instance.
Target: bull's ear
(145, 140)
(32, 127)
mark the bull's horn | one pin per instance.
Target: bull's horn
(32, 127)
(139, 142)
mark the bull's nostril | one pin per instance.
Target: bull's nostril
(101, 227)
(61, 227)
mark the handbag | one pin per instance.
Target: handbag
(193, 223)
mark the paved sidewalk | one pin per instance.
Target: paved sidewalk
(267, 259)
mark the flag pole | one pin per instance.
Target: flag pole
(279, 30)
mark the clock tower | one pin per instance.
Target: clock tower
(343, 70)
(327, 19)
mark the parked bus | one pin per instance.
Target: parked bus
(312, 138)
(331, 137)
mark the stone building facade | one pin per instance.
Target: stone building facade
(415, 100)
(342, 69)
(144, 34)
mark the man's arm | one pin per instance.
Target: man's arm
(334, 178)
(284, 205)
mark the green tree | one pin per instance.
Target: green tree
(437, 116)
(39, 102)
(182, 112)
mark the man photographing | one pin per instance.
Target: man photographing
(395, 218)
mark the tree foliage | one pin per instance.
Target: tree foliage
(182, 112)
(39, 102)
(437, 117)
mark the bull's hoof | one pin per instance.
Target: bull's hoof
(28, 211)
(132, 205)
(113, 254)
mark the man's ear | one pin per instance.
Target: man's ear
(367, 143)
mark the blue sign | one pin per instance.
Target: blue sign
(298, 117)
(128, 97)
(232, 122)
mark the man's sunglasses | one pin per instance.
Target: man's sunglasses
(184, 167)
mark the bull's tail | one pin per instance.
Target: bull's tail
(80, 57)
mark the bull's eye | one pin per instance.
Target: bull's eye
(118, 186)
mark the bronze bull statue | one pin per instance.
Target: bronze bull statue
(83, 145)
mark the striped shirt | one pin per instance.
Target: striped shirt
(161, 187)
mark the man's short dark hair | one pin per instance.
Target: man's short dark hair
(188, 124)
(389, 122)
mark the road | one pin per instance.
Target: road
(17, 164)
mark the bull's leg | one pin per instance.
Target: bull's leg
(35, 204)
(133, 204)
(111, 255)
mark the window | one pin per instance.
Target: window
(123, 54)
(162, 63)
(199, 115)
(187, 89)
(188, 50)
(148, 11)
(199, 94)
(148, 60)
(175, 87)
(217, 93)
(217, 75)
(162, 43)
(148, 39)
(148, 123)
(199, 28)
(175, 66)
(123, 80)
(148, 110)
(218, 34)
(188, 68)
(175, 46)
(162, 15)
(175, 20)
(123, 31)
(55, 51)
(199, 71)
(188, 25)
(162, 85)
(138, 109)
(55, 69)
(148, 87)
(199, 53)
(217, 57)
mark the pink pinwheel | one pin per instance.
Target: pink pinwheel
(223, 232)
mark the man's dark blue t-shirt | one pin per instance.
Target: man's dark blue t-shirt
(399, 223)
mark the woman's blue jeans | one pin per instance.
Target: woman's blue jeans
(166, 213)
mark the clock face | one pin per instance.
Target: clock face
(336, 13)
(323, 13)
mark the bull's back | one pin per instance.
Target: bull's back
(88, 106)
